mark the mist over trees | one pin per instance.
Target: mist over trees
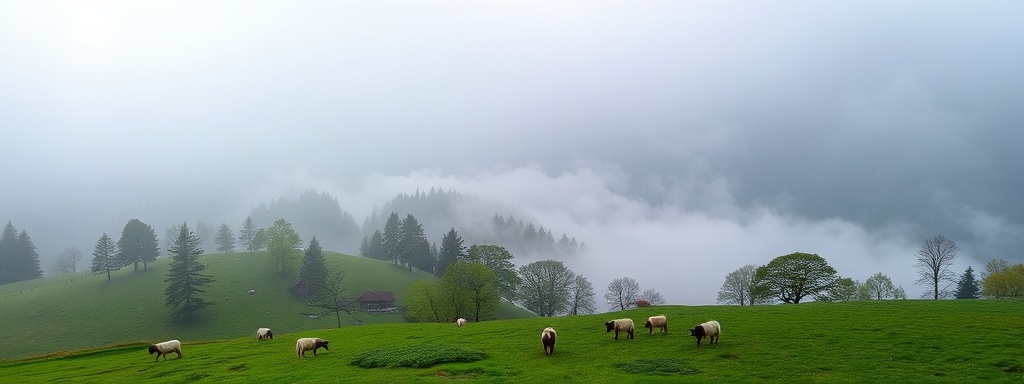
(138, 244)
(283, 243)
(104, 256)
(18, 258)
(67, 261)
(225, 239)
(313, 214)
(186, 283)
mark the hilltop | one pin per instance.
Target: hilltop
(86, 311)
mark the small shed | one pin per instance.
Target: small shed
(377, 301)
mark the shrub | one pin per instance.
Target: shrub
(662, 366)
(415, 356)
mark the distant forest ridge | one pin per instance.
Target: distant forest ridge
(318, 214)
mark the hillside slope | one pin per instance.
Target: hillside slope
(83, 310)
(884, 342)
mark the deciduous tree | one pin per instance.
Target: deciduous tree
(498, 260)
(329, 295)
(652, 297)
(479, 287)
(738, 286)
(792, 277)
(1008, 282)
(545, 287)
(622, 293)
(581, 297)
(185, 280)
(282, 242)
(67, 260)
(424, 302)
(934, 259)
(880, 287)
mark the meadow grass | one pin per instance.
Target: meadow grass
(83, 310)
(903, 341)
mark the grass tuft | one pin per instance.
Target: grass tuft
(662, 366)
(416, 356)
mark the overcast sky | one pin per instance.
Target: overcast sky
(680, 140)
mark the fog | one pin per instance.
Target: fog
(678, 140)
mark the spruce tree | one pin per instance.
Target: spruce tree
(413, 244)
(186, 283)
(391, 237)
(104, 256)
(314, 266)
(225, 239)
(27, 260)
(967, 287)
(247, 236)
(8, 247)
(451, 251)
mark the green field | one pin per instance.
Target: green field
(951, 341)
(85, 311)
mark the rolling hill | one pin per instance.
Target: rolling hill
(85, 311)
(885, 342)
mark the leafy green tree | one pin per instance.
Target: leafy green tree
(67, 261)
(282, 242)
(138, 244)
(225, 239)
(424, 302)
(845, 289)
(184, 277)
(104, 256)
(967, 287)
(391, 239)
(499, 261)
(880, 287)
(1008, 282)
(792, 277)
(261, 240)
(622, 293)
(329, 295)
(581, 297)
(545, 287)
(314, 265)
(934, 259)
(247, 236)
(451, 251)
(478, 284)
(738, 286)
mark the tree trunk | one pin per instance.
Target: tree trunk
(337, 314)
(108, 274)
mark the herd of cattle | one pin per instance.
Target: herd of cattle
(710, 329)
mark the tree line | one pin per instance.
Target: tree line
(792, 278)
(18, 258)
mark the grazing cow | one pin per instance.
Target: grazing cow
(547, 337)
(620, 325)
(165, 348)
(711, 329)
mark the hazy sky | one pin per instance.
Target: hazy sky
(680, 140)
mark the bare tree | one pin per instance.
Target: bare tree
(738, 286)
(880, 287)
(933, 261)
(995, 266)
(67, 261)
(581, 300)
(652, 297)
(329, 295)
(622, 293)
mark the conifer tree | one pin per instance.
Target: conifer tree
(314, 266)
(225, 239)
(967, 287)
(413, 245)
(186, 282)
(7, 253)
(138, 244)
(451, 251)
(26, 261)
(247, 236)
(391, 237)
(104, 256)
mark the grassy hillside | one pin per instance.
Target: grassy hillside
(885, 342)
(84, 310)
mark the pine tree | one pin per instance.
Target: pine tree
(186, 283)
(247, 236)
(314, 266)
(8, 245)
(412, 243)
(967, 287)
(137, 244)
(391, 237)
(225, 239)
(451, 251)
(104, 256)
(28, 259)
(375, 249)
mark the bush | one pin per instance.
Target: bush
(658, 366)
(415, 356)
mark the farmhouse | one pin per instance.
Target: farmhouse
(377, 301)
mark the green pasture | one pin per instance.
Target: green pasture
(84, 310)
(952, 341)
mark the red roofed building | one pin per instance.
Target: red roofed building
(377, 301)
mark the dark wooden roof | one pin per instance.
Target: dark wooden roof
(377, 296)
